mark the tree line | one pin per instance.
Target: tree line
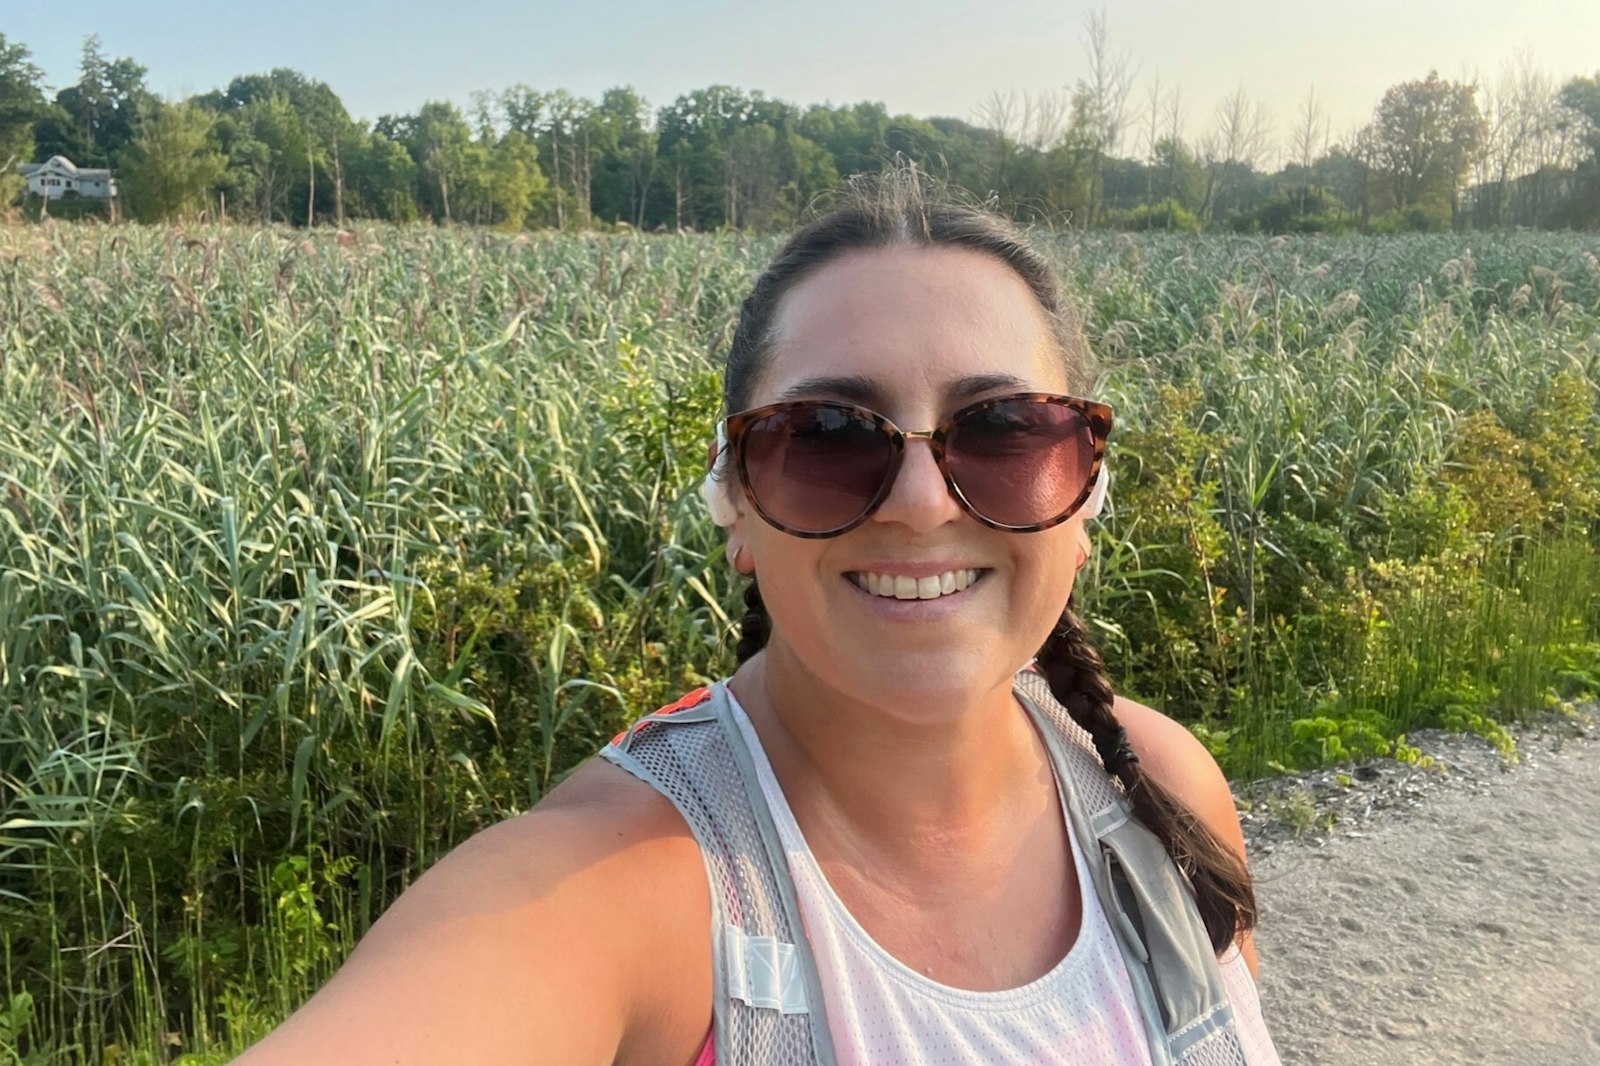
(280, 147)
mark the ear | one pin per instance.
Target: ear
(726, 505)
(722, 501)
(739, 554)
(1091, 510)
(1096, 503)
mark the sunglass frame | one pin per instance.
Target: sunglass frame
(1097, 415)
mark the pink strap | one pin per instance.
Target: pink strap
(708, 1054)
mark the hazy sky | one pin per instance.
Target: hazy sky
(924, 57)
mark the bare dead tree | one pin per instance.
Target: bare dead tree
(1244, 130)
(338, 185)
(1364, 150)
(1172, 116)
(1309, 138)
(1153, 125)
(1045, 119)
(1524, 139)
(1000, 112)
(1100, 102)
(1308, 141)
(1109, 82)
(1240, 138)
(1152, 136)
(1209, 150)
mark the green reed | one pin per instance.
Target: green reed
(319, 552)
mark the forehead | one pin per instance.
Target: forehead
(907, 323)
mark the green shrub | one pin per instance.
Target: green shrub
(1167, 216)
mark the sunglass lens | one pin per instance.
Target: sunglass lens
(1021, 462)
(815, 469)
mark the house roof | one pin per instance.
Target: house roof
(65, 165)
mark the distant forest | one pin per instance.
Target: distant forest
(280, 147)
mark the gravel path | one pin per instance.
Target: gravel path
(1449, 915)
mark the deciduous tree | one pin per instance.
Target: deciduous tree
(515, 181)
(21, 102)
(625, 145)
(1580, 119)
(1425, 134)
(98, 115)
(172, 167)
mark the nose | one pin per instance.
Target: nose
(919, 497)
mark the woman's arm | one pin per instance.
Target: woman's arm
(577, 933)
(1173, 756)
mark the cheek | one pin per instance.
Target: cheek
(1056, 551)
(786, 568)
(1050, 572)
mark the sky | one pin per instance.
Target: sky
(922, 57)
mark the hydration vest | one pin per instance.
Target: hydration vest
(767, 1005)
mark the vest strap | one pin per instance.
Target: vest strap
(804, 963)
(763, 971)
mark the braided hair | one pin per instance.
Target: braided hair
(1220, 879)
(756, 626)
(895, 209)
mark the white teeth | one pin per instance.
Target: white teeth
(901, 587)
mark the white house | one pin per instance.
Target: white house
(57, 177)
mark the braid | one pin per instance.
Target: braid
(756, 626)
(1219, 878)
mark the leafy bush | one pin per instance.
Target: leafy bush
(1303, 210)
(1412, 220)
(1168, 216)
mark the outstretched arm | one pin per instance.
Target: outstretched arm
(547, 938)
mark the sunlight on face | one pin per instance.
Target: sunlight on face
(915, 334)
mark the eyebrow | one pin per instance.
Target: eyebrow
(868, 393)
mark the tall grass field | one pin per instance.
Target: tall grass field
(319, 552)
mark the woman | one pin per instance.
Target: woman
(892, 836)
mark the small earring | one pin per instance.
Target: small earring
(742, 562)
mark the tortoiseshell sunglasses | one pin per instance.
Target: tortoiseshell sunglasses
(1021, 463)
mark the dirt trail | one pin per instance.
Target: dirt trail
(1463, 930)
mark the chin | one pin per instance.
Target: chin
(926, 686)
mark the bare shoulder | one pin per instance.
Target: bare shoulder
(1172, 755)
(1175, 757)
(548, 936)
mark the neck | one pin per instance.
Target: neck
(915, 785)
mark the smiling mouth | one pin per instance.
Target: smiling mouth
(901, 587)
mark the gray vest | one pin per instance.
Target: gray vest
(767, 999)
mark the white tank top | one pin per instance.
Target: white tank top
(882, 1012)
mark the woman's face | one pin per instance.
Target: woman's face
(915, 334)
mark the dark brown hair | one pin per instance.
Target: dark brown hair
(900, 209)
